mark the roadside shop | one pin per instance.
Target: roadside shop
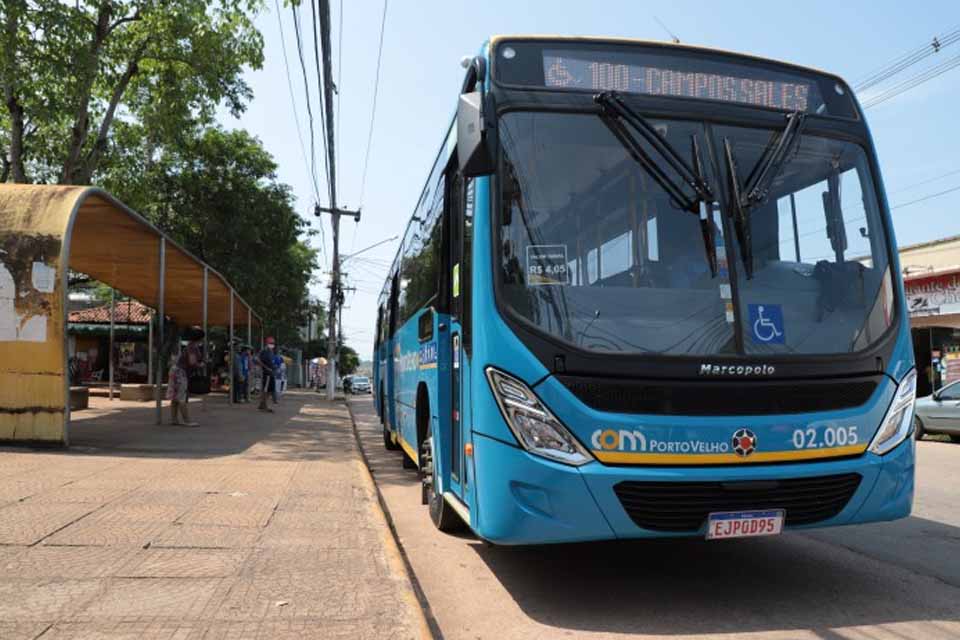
(932, 283)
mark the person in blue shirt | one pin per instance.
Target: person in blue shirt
(266, 363)
(279, 370)
(243, 376)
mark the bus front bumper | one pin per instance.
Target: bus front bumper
(526, 499)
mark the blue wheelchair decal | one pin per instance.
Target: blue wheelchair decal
(766, 323)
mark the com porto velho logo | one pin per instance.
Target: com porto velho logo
(736, 370)
(636, 441)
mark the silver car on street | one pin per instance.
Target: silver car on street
(939, 413)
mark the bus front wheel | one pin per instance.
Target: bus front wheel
(442, 514)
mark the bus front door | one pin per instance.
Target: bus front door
(460, 444)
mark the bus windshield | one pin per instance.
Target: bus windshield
(595, 252)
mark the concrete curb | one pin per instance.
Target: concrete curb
(396, 556)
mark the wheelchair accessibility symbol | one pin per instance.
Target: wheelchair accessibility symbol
(766, 321)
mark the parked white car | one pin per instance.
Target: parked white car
(939, 413)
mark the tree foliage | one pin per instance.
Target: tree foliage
(71, 72)
(124, 93)
(349, 360)
(218, 195)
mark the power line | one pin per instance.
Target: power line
(893, 208)
(373, 110)
(907, 60)
(339, 73)
(910, 83)
(925, 198)
(293, 101)
(306, 89)
(926, 181)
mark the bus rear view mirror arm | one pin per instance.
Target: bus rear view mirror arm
(473, 146)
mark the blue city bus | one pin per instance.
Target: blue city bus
(649, 290)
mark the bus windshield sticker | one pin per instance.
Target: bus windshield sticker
(766, 323)
(547, 264)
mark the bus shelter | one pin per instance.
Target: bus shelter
(47, 232)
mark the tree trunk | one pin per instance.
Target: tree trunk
(81, 119)
(15, 162)
(85, 171)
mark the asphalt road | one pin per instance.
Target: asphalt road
(885, 581)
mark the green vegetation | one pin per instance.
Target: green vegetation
(123, 94)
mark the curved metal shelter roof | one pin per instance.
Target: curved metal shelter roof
(46, 231)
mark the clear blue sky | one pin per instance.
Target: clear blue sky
(916, 134)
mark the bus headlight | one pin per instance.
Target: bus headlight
(536, 429)
(897, 424)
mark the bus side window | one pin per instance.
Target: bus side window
(425, 325)
(393, 306)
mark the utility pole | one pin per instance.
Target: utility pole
(335, 293)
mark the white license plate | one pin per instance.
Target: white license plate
(744, 524)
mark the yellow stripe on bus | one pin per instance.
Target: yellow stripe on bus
(622, 457)
(410, 450)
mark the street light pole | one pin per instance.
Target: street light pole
(374, 245)
(335, 293)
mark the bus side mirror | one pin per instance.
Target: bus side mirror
(473, 147)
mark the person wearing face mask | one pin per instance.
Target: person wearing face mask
(266, 363)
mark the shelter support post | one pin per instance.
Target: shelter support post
(150, 348)
(230, 352)
(113, 308)
(206, 342)
(161, 284)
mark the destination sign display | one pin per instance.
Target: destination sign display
(655, 75)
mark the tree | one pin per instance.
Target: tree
(349, 360)
(217, 193)
(69, 70)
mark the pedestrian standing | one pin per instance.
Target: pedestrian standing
(282, 377)
(241, 374)
(178, 379)
(266, 365)
(247, 370)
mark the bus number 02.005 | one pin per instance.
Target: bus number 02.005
(810, 438)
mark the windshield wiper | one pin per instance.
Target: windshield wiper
(774, 158)
(615, 113)
(756, 190)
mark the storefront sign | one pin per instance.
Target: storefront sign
(952, 370)
(933, 296)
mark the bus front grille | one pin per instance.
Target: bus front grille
(721, 397)
(684, 506)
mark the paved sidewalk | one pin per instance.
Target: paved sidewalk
(250, 526)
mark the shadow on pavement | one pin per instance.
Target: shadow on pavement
(293, 432)
(385, 465)
(800, 581)
(675, 587)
